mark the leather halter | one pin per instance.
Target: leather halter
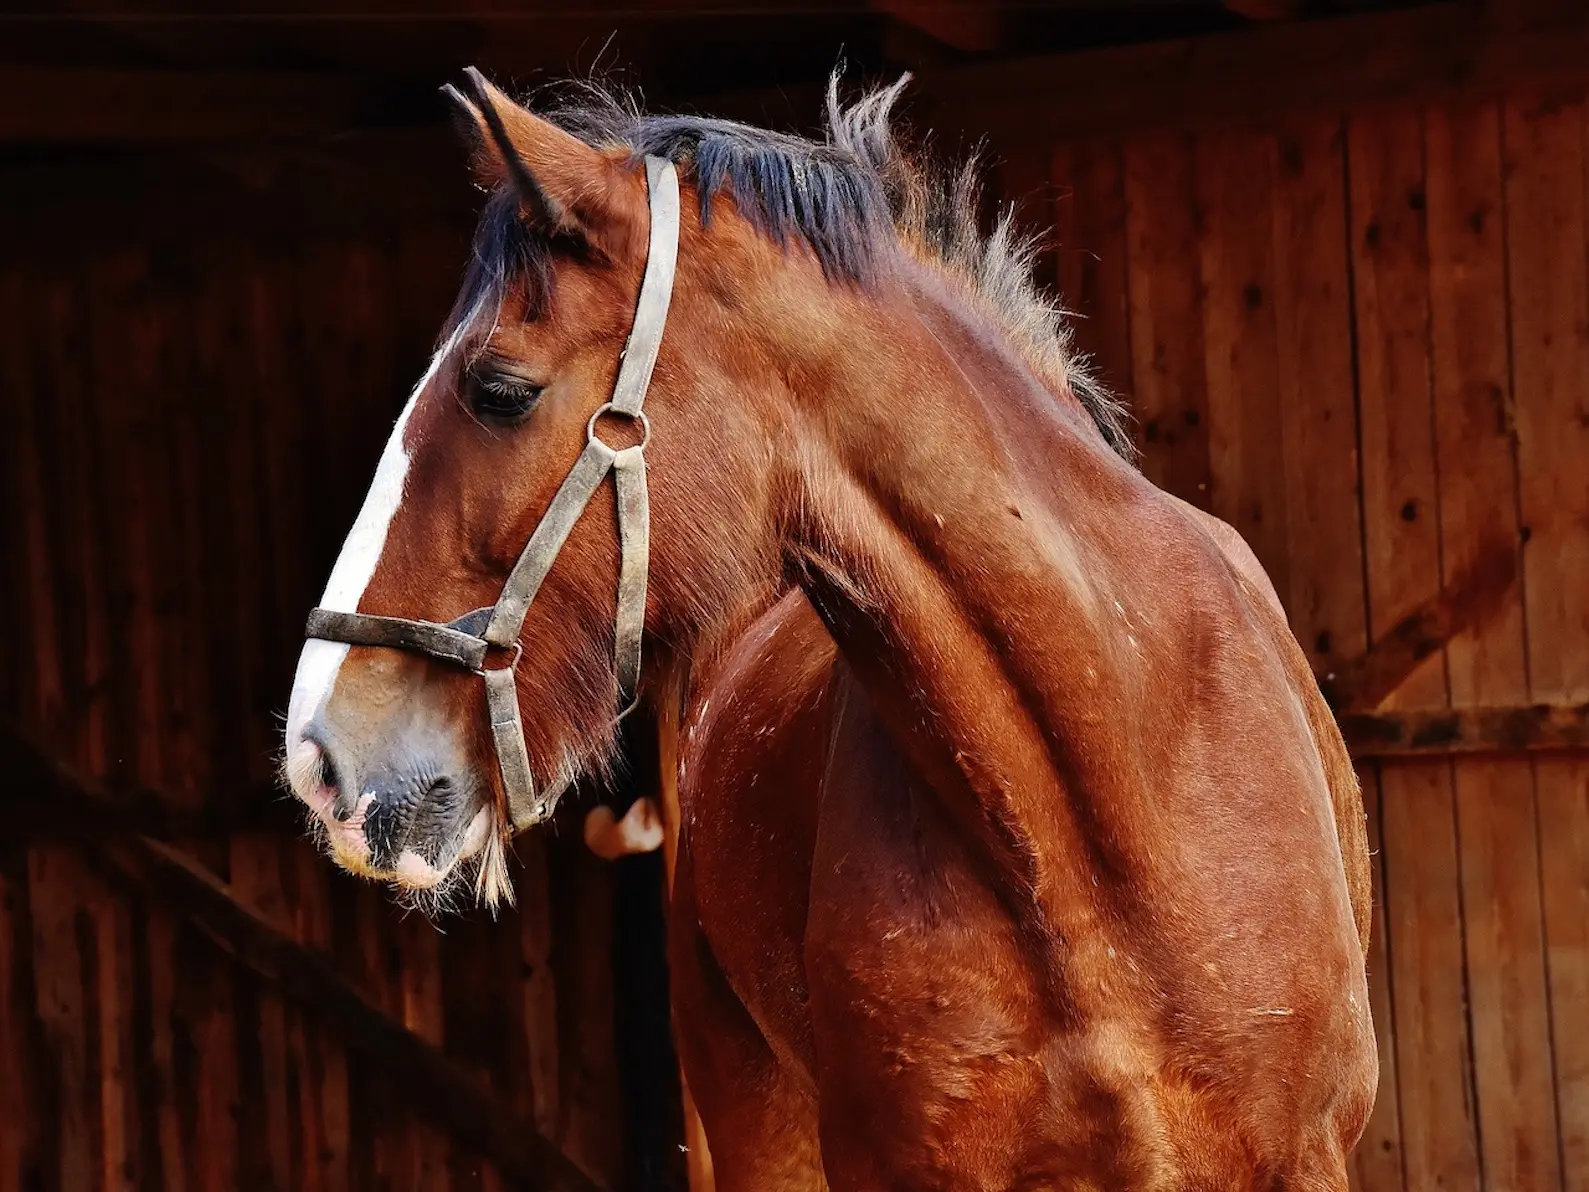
(465, 641)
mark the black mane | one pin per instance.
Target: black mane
(851, 198)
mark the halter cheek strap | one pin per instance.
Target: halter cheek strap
(464, 642)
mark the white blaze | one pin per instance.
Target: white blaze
(361, 551)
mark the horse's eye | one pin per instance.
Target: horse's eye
(502, 395)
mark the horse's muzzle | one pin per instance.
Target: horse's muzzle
(404, 815)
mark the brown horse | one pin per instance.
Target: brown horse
(1031, 857)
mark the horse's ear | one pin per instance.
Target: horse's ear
(564, 185)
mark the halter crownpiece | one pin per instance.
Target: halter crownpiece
(465, 641)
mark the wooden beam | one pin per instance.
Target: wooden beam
(1534, 728)
(1256, 75)
(1265, 10)
(370, 184)
(432, 1084)
(970, 26)
(1468, 600)
(28, 819)
(79, 106)
(1264, 72)
(1505, 13)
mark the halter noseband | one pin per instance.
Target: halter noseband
(465, 641)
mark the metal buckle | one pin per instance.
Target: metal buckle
(607, 407)
(518, 652)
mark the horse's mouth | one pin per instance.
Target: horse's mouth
(406, 868)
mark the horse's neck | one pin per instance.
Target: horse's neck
(960, 553)
(973, 606)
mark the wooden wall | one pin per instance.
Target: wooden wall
(1361, 335)
(192, 408)
(1357, 330)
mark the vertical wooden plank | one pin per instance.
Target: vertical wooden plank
(16, 448)
(318, 1071)
(130, 351)
(472, 968)
(265, 1158)
(144, 355)
(14, 1075)
(1390, 280)
(1169, 384)
(30, 1077)
(1424, 924)
(62, 988)
(204, 1050)
(1235, 192)
(1316, 394)
(423, 1013)
(1090, 233)
(379, 1120)
(119, 1106)
(22, 1085)
(590, 1131)
(220, 495)
(315, 1068)
(103, 741)
(467, 976)
(18, 1080)
(118, 478)
(1376, 1164)
(516, 1067)
(1495, 797)
(1475, 416)
(158, 951)
(1564, 836)
(108, 739)
(233, 355)
(1422, 888)
(40, 414)
(1548, 259)
(539, 985)
(62, 896)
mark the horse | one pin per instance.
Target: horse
(1019, 848)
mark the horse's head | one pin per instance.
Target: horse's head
(393, 749)
(828, 294)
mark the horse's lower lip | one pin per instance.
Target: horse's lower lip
(414, 872)
(350, 849)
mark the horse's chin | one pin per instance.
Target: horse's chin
(417, 873)
(475, 864)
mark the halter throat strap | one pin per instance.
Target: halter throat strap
(466, 641)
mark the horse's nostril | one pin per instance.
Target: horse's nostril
(328, 772)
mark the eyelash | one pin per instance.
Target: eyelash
(497, 395)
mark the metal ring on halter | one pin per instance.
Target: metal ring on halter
(607, 407)
(518, 652)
